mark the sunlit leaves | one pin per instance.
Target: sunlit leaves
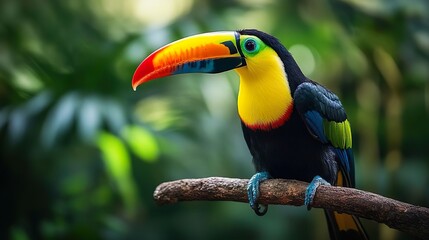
(159, 112)
(26, 80)
(141, 142)
(117, 159)
(118, 165)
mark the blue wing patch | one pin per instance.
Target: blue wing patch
(315, 123)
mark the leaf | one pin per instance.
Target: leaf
(17, 125)
(89, 120)
(60, 118)
(141, 142)
(114, 115)
(117, 161)
(38, 103)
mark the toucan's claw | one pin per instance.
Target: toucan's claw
(258, 211)
(253, 192)
(311, 190)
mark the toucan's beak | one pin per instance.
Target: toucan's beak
(204, 53)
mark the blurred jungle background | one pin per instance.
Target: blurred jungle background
(81, 152)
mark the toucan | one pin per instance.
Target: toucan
(294, 127)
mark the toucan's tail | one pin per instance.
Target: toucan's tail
(344, 226)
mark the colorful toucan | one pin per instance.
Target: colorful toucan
(294, 127)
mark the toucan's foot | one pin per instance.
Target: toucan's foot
(253, 192)
(311, 190)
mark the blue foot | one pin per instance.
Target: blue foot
(253, 192)
(311, 190)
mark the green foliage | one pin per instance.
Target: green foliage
(81, 153)
(118, 164)
(141, 142)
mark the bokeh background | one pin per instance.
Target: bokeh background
(81, 152)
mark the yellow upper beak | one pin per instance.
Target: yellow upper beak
(206, 53)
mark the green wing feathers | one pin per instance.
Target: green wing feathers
(338, 133)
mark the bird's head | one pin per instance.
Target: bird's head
(260, 60)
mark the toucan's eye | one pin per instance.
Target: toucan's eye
(250, 45)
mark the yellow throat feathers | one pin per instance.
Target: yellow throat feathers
(264, 99)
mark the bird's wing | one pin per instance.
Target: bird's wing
(327, 121)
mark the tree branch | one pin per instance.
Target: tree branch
(405, 217)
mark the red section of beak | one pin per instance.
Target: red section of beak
(146, 71)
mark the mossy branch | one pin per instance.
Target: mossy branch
(405, 217)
